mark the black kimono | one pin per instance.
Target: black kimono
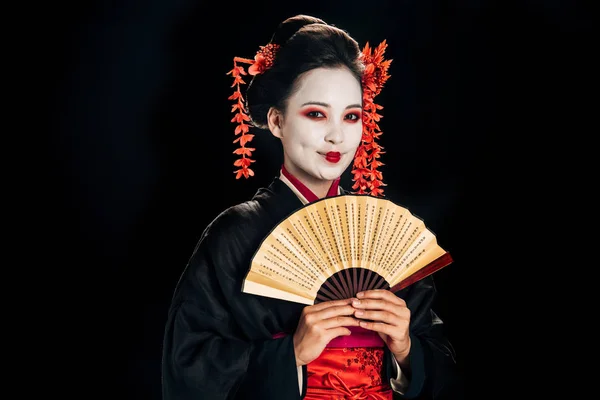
(219, 342)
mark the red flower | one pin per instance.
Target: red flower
(263, 60)
(366, 175)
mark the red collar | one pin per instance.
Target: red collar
(306, 192)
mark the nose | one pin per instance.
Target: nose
(335, 134)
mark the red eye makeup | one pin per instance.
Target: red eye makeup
(314, 113)
(354, 116)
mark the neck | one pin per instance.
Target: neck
(320, 189)
(310, 189)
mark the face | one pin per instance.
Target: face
(322, 126)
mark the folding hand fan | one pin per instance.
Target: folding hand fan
(338, 246)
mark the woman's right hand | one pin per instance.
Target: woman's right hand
(319, 324)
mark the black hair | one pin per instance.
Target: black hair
(306, 43)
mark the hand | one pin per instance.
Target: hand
(388, 316)
(318, 325)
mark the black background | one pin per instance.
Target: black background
(142, 140)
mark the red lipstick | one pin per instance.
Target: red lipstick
(333, 156)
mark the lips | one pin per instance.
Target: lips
(333, 156)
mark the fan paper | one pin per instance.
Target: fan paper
(338, 246)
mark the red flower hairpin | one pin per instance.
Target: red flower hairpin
(367, 177)
(263, 60)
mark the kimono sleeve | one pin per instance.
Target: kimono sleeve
(206, 355)
(433, 372)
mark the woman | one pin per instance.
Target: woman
(221, 343)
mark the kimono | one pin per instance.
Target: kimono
(223, 344)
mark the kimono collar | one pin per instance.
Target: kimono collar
(305, 194)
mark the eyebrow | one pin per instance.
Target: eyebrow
(318, 103)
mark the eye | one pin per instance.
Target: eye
(315, 114)
(352, 117)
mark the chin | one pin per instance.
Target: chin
(331, 174)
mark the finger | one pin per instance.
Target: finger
(379, 316)
(333, 312)
(379, 327)
(337, 322)
(332, 303)
(374, 304)
(378, 304)
(335, 332)
(382, 305)
(381, 294)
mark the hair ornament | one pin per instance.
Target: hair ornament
(263, 60)
(366, 175)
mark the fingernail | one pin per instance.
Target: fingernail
(359, 313)
(356, 302)
(360, 294)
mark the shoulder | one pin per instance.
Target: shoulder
(232, 218)
(243, 226)
(265, 208)
(226, 241)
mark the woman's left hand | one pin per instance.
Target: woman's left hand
(389, 316)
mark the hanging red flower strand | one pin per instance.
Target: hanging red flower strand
(367, 177)
(263, 60)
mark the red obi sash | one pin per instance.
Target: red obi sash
(347, 373)
(350, 367)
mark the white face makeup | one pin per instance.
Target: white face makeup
(322, 126)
